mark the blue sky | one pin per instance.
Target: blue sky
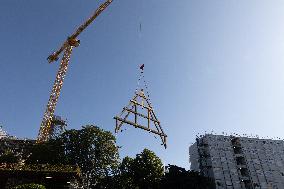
(210, 65)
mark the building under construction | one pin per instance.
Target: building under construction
(239, 162)
(3, 134)
(14, 170)
(19, 147)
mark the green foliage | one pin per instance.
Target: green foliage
(126, 177)
(143, 172)
(41, 168)
(177, 177)
(50, 152)
(149, 164)
(9, 157)
(30, 186)
(93, 150)
(148, 169)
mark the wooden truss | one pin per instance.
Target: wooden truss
(140, 101)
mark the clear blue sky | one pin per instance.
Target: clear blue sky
(210, 65)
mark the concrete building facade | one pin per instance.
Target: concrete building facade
(239, 162)
(3, 134)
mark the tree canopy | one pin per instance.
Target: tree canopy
(143, 172)
(177, 177)
(29, 186)
(93, 150)
(9, 157)
(51, 152)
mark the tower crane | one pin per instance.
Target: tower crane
(66, 48)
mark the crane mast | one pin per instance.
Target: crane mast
(71, 42)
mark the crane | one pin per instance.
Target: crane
(66, 48)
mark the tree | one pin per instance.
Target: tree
(148, 169)
(29, 186)
(9, 157)
(177, 177)
(50, 152)
(94, 151)
(143, 172)
(126, 176)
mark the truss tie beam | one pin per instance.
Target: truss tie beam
(140, 107)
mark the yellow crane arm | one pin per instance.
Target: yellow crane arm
(72, 39)
(46, 126)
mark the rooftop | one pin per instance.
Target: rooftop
(3, 134)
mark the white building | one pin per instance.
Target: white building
(239, 162)
(3, 134)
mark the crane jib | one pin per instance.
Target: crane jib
(46, 126)
(54, 56)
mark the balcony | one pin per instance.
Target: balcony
(236, 142)
(244, 173)
(237, 150)
(240, 160)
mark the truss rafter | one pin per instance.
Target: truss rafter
(139, 113)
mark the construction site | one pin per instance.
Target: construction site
(15, 152)
(111, 94)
